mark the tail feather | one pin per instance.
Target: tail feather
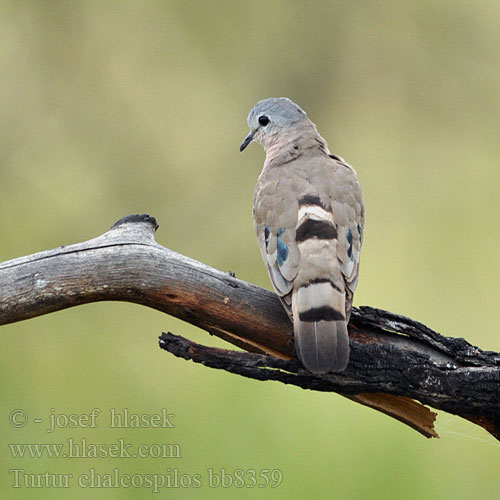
(320, 327)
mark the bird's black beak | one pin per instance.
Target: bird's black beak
(247, 141)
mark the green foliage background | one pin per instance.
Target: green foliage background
(109, 108)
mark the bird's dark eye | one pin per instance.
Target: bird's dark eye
(263, 120)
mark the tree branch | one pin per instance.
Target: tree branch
(394, 360)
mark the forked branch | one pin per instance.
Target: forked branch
(396, 363)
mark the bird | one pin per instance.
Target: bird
(309, 218)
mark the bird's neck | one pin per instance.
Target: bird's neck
(297, 142)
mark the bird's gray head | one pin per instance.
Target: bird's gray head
(270, 117)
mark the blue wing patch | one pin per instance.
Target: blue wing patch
(267, 232)
(282, 257)
(360, 232)
(349, 240)
(282, 254)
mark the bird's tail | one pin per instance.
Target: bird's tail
(320, 327)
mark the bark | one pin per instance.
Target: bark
(396, 363)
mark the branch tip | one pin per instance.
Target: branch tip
(137, 218)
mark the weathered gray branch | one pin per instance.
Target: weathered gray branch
(393, 358)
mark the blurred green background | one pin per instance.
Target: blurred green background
(111, 108)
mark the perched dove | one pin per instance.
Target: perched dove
(309, 215)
